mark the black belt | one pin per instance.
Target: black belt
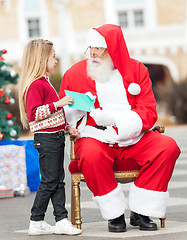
(59, 134)
(101, 127)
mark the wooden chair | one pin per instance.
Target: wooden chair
(123, 174)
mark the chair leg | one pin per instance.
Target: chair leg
(75, 202)
(72, 203)
(162, 222)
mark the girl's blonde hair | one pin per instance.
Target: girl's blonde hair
(34, 63)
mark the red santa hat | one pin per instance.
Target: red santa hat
(111, 37)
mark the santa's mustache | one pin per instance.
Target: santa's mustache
(93, 60)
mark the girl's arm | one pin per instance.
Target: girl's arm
(64, 101)
(36, 109)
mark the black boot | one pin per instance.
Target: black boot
(117, 224)
(144, 222)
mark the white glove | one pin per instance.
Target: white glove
(102, 117)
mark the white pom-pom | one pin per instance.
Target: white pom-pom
(134, 89)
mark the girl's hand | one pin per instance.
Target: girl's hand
(64, 101)
(73, 131)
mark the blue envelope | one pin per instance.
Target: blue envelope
(81, 101)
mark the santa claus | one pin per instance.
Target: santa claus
(119, 128)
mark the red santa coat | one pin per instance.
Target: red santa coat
(135, 77)
(131, 125)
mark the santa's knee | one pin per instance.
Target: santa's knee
(92, 165)
(91, 158)
(170, 149)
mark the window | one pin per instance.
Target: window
(131, 18)
(138, 18)
(123, 19)
(34, 27)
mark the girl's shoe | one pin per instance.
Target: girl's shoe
(65, 227)
(40, 228)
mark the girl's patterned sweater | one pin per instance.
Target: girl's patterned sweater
(43, 116)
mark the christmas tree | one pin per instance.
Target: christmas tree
(8, 129)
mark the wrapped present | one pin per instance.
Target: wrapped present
(6, 192)
(32, 164)
(12, 166)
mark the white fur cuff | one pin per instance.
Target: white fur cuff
(113, 204)
(148, 202)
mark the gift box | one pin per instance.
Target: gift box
(30, 160)
(12, 166)
(6, 192)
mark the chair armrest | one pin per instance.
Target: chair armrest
(72, 144)
(160, 129)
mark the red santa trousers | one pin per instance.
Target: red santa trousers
(155, 153)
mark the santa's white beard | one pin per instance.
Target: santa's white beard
(101, 69)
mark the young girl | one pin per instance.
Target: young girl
(41, 109)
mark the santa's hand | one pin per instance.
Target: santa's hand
(102, 117)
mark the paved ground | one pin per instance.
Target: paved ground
(14, 212)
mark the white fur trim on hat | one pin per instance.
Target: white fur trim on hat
(95, 39)
(148, 202)
(113, 204)
(134, 89)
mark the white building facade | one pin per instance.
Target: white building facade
(155, 30)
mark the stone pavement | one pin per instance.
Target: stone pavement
(14, 212)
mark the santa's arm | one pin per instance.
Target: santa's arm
(141, 116)
(145, 105)
(72, 115)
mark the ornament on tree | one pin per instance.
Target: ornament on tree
(9, 116)
(12, 101)
(7, 100)
(8, 129)
(7, 91)
(1, 136)
(12, 73)
(13, 133)
(1, 92)
(4, 51)
(10, 122)
(3, 68)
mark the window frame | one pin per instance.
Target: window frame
(131, 21)
(33, 27)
